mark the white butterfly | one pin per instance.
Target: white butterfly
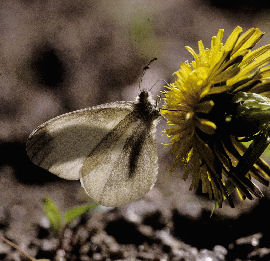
(111, 148)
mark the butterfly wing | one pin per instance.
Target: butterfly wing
(123, 167)
(61, 144)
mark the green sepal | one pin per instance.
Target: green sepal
(254, 151)
(252, 105)
(249, 112)
(214, 208)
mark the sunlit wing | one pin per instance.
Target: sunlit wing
(123, 167)
(61, 144)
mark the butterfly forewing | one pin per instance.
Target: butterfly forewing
(127, 164)
(61, 144)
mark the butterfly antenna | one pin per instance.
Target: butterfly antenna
(160, 80)
(159, 97)
(145, 68)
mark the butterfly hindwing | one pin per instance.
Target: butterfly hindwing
(127, 164)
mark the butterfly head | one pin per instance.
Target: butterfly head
(145, 106)
(144, 97)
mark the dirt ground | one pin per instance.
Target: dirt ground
(61, 55)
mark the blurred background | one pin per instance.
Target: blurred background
(57, 56)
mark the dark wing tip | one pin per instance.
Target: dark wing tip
(37, 145)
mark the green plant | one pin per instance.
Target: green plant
(59, 220)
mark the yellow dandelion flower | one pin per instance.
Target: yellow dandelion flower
(218, 101)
